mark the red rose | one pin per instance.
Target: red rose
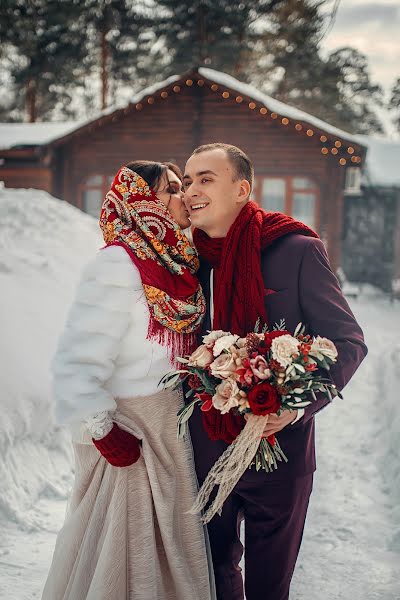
(271, 335)
(263, 399)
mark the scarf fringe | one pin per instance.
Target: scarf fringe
(177, 344)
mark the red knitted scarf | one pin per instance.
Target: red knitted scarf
(239, 296)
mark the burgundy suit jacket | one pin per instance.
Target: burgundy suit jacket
(300, 287)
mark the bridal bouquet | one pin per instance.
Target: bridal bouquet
(263, 373)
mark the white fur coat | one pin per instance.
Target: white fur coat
(103, 352)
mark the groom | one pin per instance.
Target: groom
(261, 265)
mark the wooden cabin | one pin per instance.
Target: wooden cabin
(301, 163)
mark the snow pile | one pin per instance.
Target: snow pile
(44, 245)
(391, 434)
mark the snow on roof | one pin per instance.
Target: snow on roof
(32, 134)
(152, 89)
(15, 134)
(383, 161)
(274, 105)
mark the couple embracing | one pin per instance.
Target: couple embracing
(144, 300)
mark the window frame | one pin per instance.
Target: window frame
(290, 191)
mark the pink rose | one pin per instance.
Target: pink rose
(223, 366)
(201, 357)
(226, 396)
(259, 366)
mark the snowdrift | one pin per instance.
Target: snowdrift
(44, 245)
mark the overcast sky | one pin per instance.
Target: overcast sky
(374, 29)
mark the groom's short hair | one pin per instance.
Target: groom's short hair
(241, 162)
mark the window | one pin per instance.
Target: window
(92, 193)
(353, 180)
(273, 194)
(295, 196)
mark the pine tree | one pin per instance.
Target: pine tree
(337, 88)
(46, 47)
(357, 97)
(394, 103)
(115, 41)
(218, 34)
(289, 53)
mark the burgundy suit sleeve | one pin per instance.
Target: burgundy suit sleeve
(328, 314)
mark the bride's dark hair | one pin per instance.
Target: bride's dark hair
(153, 171)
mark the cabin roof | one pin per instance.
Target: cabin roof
(17, 135)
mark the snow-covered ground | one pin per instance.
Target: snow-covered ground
(351, 548)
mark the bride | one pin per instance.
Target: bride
(127, 534)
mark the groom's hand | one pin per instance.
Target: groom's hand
(277, 423)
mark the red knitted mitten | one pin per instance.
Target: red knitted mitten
(119, 448)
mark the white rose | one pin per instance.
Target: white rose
(321, 347)
(224, 343)
(201, 357)
(283, 348)
(213, 336)
(223, 366)
(226, 396)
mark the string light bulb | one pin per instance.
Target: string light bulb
(225, 95)
(176, 89)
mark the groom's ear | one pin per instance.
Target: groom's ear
(244, 190)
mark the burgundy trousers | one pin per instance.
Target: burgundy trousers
(273, 506)
(274, 514)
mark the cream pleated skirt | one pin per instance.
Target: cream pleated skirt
(127, 534)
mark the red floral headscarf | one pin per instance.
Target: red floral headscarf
(133, 217)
